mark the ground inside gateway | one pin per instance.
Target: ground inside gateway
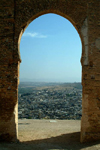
(49, 135)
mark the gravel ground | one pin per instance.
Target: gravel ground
(49, 135)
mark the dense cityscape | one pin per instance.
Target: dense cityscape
(50, 101)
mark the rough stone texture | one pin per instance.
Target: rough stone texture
(15, 16)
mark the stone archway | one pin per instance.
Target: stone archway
(15, 18)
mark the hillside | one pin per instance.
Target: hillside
(50, 100)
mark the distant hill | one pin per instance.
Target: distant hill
(77, 85)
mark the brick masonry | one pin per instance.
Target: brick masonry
(15, 16)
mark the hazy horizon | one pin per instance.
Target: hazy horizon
(41, 80)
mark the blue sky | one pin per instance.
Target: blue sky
(50, 50)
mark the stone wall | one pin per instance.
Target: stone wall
(15, 16)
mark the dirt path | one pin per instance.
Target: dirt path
(49, 135)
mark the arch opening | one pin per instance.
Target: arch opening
(37, 35)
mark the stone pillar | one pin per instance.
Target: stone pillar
(90, 129)
(8, 74)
